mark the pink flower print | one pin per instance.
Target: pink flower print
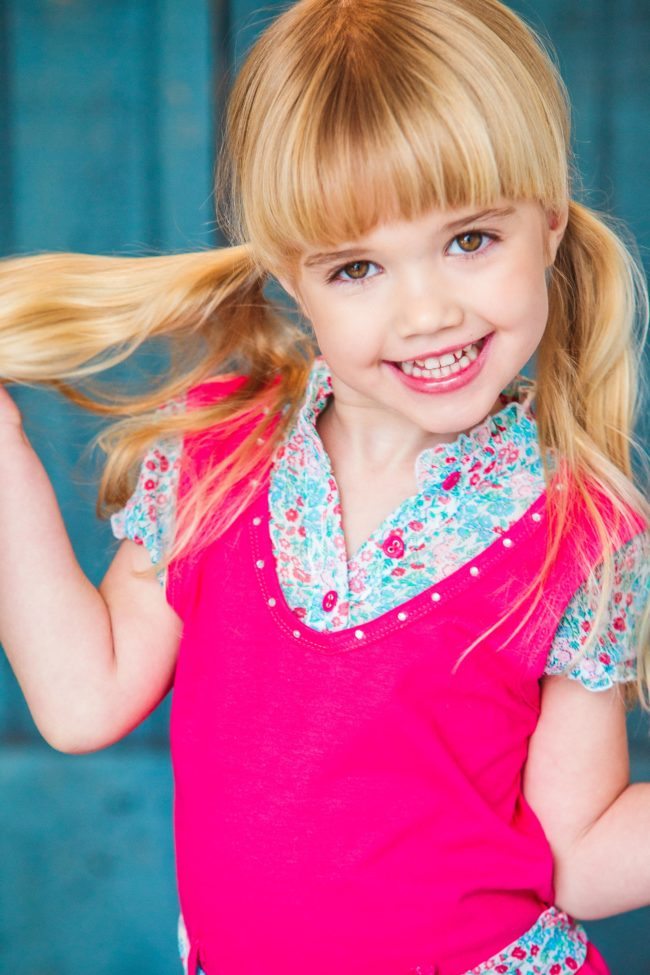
(164, 464)
(519, 953)
(451, 481)
(300, 612)
(149, 484)
(417, 565)
(604, 658)
(416, 526)
(301, 575)
(628, 599)
(302, 531)
(501, 968)
(618, 597)
(291, 514)
(300, 502)
(571, 963)
(399, 571)
(152, 512)
(331, 483)
(619, 624)
(474, 479)
(586, 625)
(138, 540)
(534, 950)
(563, 656)
(490, 467)
(555, 970)
(337, 509)
(150, 465)
(357, 584)
(161, 499)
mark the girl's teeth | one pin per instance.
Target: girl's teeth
(439, 367)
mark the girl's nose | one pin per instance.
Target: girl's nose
(428, 305)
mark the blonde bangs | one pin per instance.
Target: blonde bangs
(356, 131)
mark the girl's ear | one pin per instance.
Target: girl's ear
(557, 220)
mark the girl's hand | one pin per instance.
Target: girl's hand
(11, 422)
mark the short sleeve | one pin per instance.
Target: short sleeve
(148, 516)
(611, 658)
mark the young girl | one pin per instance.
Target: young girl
(402, 586)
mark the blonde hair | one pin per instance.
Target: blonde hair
(346, 114)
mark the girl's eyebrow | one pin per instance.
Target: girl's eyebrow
(324, 257)
(471, 217)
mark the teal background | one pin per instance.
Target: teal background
(109, 114)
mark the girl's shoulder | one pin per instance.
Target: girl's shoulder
(149, 514)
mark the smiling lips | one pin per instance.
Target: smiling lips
(443, 366)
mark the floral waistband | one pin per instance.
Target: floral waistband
(555, 945)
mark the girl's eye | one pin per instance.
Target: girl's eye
(471, 242)
(355, 271)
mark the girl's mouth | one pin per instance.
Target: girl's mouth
(444, 372)
(440, 367)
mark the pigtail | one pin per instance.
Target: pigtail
(66, 318)
(590, 393)
(70, 316)
(591, 351)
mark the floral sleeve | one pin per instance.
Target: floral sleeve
(612, 657)
(148, 516)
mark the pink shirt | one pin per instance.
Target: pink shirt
(350, 802)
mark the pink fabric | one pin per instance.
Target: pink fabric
(351, 802)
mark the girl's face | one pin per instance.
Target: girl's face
(423, 323)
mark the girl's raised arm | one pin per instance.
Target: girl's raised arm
(91, 663)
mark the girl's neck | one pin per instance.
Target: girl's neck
(369, 445)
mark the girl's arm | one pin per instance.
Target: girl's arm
(577, 782)
(91, 663)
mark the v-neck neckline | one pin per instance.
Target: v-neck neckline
(434, 599)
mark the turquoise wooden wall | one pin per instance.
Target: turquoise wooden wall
(108, 118)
